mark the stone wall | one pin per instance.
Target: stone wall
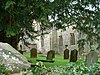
(51, 40)
(56, 40)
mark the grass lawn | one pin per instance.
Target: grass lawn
(59, 60)
(98, 59)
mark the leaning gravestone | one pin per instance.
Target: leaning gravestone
(73, 56)
(33, 53)
(66, 54)
(91, 58)
(12, 59)
(50, 55)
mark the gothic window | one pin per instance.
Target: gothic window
(72, 39)
(60, 40)
(42, 40)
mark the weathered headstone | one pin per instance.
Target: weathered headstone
(33, 53)
(91, 58)
(66, 54)
(73, 56)
(50, 55)
(12, 59)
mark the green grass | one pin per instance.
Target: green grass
(59, 60)
(98, 59)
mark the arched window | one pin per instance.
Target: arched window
(72, 39)
(60, 40)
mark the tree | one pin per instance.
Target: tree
(17, 16)
(84, 14)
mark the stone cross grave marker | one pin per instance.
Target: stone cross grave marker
(73, 56)
(50, 55)
(91, 58)
(33, 53)
(66, 54)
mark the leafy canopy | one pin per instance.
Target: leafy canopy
(17, 15)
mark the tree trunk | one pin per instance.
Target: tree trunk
(13, 41)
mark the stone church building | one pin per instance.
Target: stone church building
(57, 39)
(54, 40)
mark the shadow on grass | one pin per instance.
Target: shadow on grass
(59, 60)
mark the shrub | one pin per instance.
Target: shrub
(4, 70)
(69, 69)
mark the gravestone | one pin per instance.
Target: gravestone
(91, 58)
(33, 53)
(50, 55)
(73, 56)
(12, 59)
(66, 54)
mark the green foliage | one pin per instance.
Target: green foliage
(70, 69)
(82, 13)
(27, 72)
(38, 70)
(63, 67)
(11, 31)
(62, 12)
(4, 70)
(81, 44)
(8, 4)
(40, 64)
